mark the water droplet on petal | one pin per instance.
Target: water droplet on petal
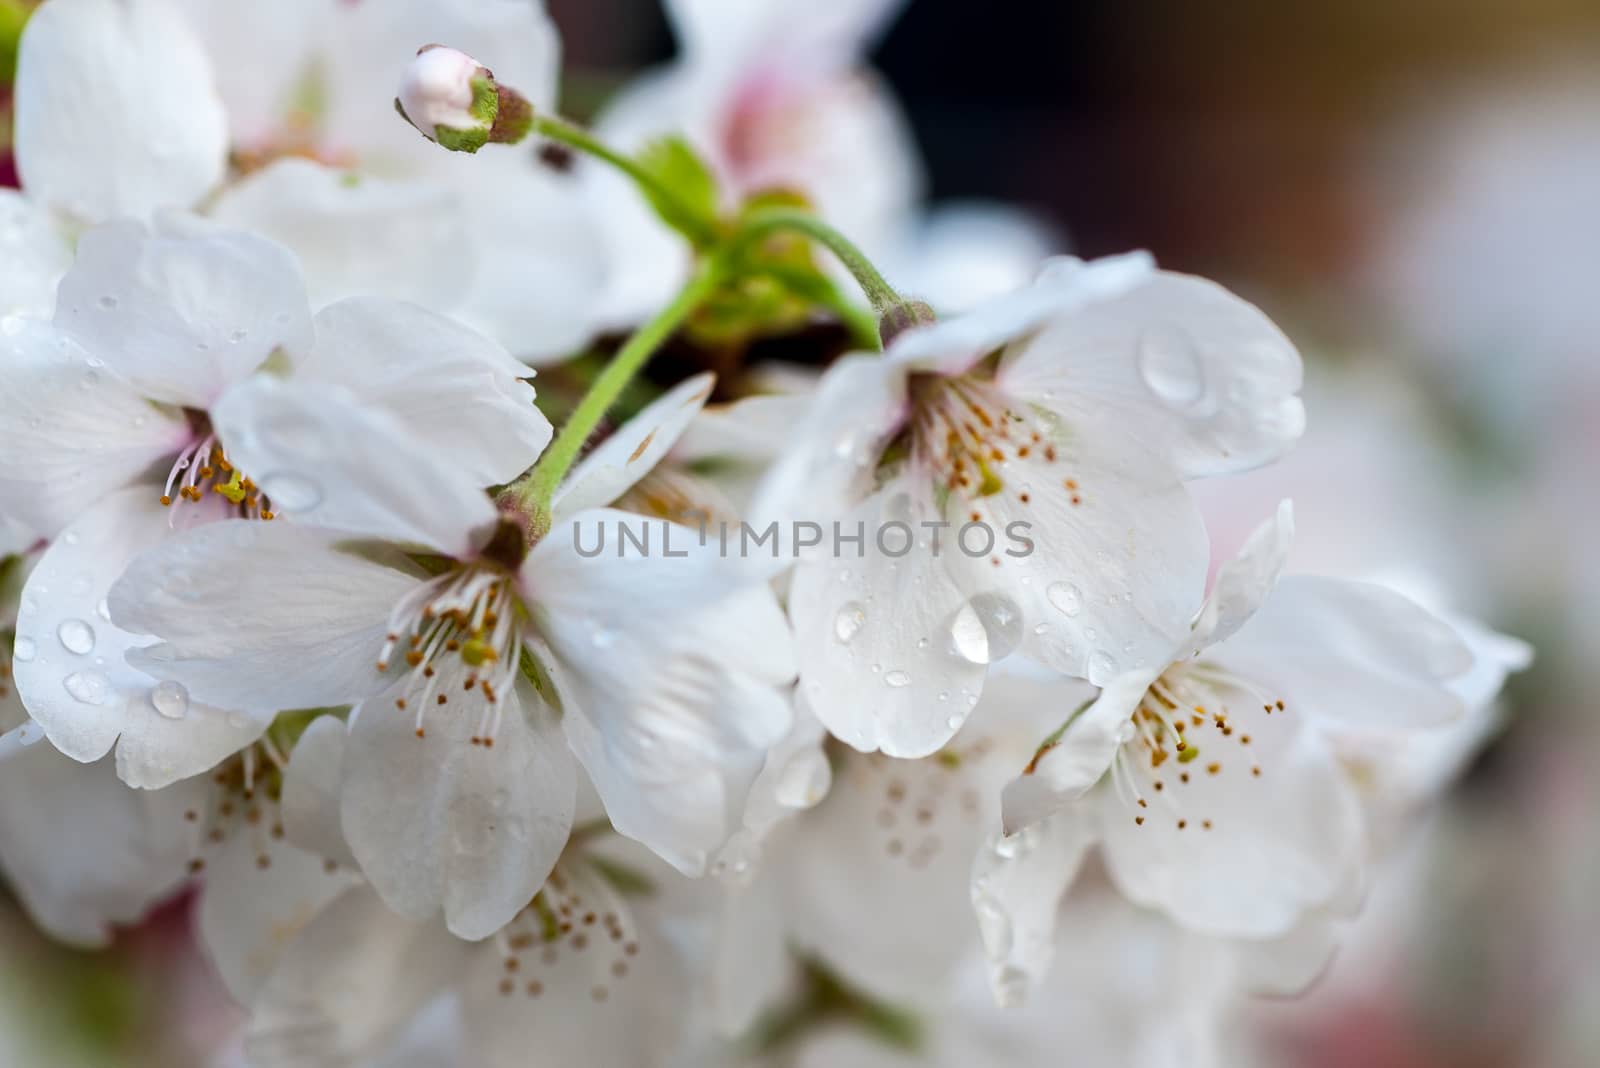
(170, 699)
(1102, 665)
(90, 687)
(987, 628)
(108, 302)
(1067, 598)
(994, 924)
(897, 679)
(24, 650)
(76, 636)
(103, 609)
(848, 623)
(1170, 366)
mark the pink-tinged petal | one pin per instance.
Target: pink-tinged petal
(116, 113)
(325, 458)
(71, 432)
(440, 822)
(184, 309)
(619, 461)
(71, 662)
(261, 616)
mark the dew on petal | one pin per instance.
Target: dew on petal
(848, 623)
(76, 636)
(24, 650)
(987, 628)
(170, 699)
(897, 679)
(1067, 598)
(89, 687)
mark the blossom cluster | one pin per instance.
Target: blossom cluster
(306, 610)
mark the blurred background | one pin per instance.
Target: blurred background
(1412, 190)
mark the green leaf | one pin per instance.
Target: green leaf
(686, 195)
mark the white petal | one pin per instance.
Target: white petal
(357, 233)
(1246, 580)
(1350, 653)
(438, 822)
(462, 396)
(633, 451)
(311, 792)
(891, 655)
(1065, 767)
(1287, 966)
(893, 841)
(183, 310)
(260, 616)
(249, 915)
(327, 459)
(1279, 844)
(766, 31)
(71, 669)
(541, 269)
(583, 1012)
(1017, 884)
(71, 432)
(828, 462)
(671, 736)
(82, 850)
(116, 111)
(649, 261)
(675, 770)
(1064, 286)
(1210, 381)
(34, 254)
(1118, 557)
(349, 982)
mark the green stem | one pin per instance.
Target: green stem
(820, 290)
(533, 492)
(577, 137)
(769, 221)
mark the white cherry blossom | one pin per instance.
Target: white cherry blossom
(1085, 551)
(458, 787)
(110, 444)
(1211, 780)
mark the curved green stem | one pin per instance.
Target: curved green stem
(769, 221)
(577, 137)
(533, 492)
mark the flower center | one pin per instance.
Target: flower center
(968, 435)
(202, 470)
(1182, 735)
(578, 929)
(244, 797)
(460, 635)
